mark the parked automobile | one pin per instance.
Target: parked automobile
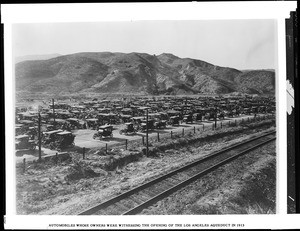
(128, 130)
(104, 132)
(23, 142)
(63, 140)
(174, 120)
(188, 118)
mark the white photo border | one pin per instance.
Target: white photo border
(38, 13)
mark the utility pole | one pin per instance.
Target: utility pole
(215, 117)
(40, 142)
(147, 148)
(53, 110)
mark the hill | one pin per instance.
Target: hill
(136, 73)
(35, 57)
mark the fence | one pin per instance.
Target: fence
(158, 136)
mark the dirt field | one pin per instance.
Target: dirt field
(73, 185)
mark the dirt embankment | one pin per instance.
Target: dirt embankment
(245, 186)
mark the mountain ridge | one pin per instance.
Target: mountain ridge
(116, 72)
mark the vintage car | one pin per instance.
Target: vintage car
(104, 131)
(32, 132)
(20, 129)
(197, 116)
(125, 118)
(221, 115)
(75, 123)
(92, 123)
(50, 137)
(23, 142)
(143, 125)
(58, 139)
(174, 120)
(210, 116)
(63, 139)
(128, 130)
(160, 124)
(188, 118)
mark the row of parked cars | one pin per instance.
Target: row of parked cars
(101, 115)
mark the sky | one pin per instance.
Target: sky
(240, 44)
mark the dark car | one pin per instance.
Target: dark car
(104, 131)
(128, 130)
(23, 142)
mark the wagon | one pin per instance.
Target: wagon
(103, 132)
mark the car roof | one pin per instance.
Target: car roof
(54, 131)
(64, 133)
(106, 126)
(21, 136)
(26, 121)
(92, 119)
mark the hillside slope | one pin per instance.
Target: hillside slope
(106, 72)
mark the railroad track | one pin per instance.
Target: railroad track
(135, 200)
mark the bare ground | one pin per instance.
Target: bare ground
(69, 187)
(245, 186)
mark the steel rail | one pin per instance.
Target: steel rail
(175, 188)
(130, 192)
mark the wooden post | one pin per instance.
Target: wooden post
(194, 129)
(83, 153)
(171, 134)
(235, 122)
(53, 110)
(56, 157)
(106, 148)
(40, 138)
(158, 136)
(24, 165)
(216, 120)
(143, 140)
(147, 147)
(126, 143)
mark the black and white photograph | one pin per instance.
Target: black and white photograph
(146, 117)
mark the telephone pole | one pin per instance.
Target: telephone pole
(53, 110)
(147, 131)
(40, 142)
